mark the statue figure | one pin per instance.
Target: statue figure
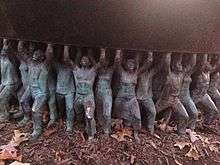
(213, 90)
(188, 68)
(37, 91)
(25, 60)
(51, 85)
(144, 91)
(126, 105)
(65, 87)
(169, 97)
(84, 75)
(9, 80)
(104, 94)
(200, 86)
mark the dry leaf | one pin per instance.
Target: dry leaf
(152, 144)
(9, 152)
(59, 156)
(2, 126)
(177, 162)
(193, 153)
(2, 162)
(18, 138)
(19, 163)
(162, 126)
(182, 145)
(213, 147)
(132, 159)
(117, 124)
(121, 135)
(49, 132)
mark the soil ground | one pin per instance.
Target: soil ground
(56, 147)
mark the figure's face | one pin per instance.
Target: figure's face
(106, 63)
(20, 47)
(130, 65)
(85, 62)
(4, 51)
(31, 48)
(177, 67)
(150, 59)
(206, 66)
(38, 56)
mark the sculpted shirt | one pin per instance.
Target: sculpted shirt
(65, 79)
(8, 72)
(144, 85)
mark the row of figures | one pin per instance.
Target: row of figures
(131, 85)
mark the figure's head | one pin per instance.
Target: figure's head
(21, 47)
(206, 63)
(31, 48)
(85, 61)
(38, 56)
(130, 65)
(176, 65)
(150, 59)
(5, 48)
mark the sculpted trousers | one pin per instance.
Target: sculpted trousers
(86, 104)
(128, 110)
(215, 95)
(211, 111)
(148, 106)
(179, 110)
(52, 105)
(191, 110)
(104, 110)
(6, 93)
(68, 100)
(37, 107)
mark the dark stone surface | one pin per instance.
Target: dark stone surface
(191, 26)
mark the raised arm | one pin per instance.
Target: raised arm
(66, 57)
(190, 63)
(78, 56)
(102, 59)
(49, 53)
(167, 63)
(147, 62)
(118, 59)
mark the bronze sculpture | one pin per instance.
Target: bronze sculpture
(169, 97)
(84, 71)
(200, 86)
(9, 80)
(65, 87)
(104, 94)
(37, 90)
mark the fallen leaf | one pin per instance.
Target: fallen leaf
(2, 162)
(122, 134)
(19, 163)
(214, 148)
(152, 144)
(117, 124)
(182, 145)
(2, 126)
(9, 152)
(18, 138)
(193, 153)
(162, 126)
(45, 116)
(132, 159)
(59, 156)
(177, 162)
(49, 132)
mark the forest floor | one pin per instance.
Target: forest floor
(56, 147)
